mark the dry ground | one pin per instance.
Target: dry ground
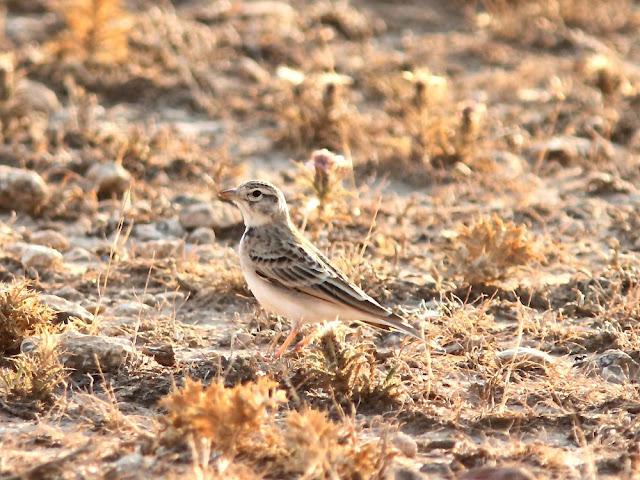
(490, 174)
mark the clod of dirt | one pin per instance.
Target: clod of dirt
(160, 249)
(51, 239)
(567, 149)
(32, 96)
(163, 354)
(22, 190)
(109, 179)
(405, 443)
(405, 473)
(64, 309)
(31, 29)
(170, 228)
(601, 183)
(202, 236)
(128, 466)
(89, 353)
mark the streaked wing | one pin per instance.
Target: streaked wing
(298, 265)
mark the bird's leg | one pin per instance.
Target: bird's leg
(307, 339)
(287, 341)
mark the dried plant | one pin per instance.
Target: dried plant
(97, 31)
(468, 131)
(544, 22)
(488, 248)
(348, 372)
(240, 422)
(324, 449)
(33, 377)
(234, 419)
(314, 111)
(420, 133)
(323, 175)
(21, 314)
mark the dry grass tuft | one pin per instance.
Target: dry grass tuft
(33, 377)
(314, 110)
(346, 372)
(97, 31)
(324, 449)
(234, 419)
(489, 248)
(240, 422)
(544, 23)
(21, 314)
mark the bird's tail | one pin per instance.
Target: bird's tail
(394, 322)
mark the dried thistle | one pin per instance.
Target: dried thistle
(487, 249)
(323, 175)
(234, 419)
(428, 89)
(349, 371)
(34, 376)
(323, 449)
(328, 170)
(21, 314)
(469, 129)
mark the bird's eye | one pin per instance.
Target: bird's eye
(256, 194)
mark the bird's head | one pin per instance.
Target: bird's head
(260, 202)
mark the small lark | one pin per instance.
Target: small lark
(289, 276)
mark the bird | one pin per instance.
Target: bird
(292, 278)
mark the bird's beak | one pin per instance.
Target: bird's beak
(228, 195)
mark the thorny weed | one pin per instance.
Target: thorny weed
(22, 314)
(324, 449)
(34, 377)
(323, 175)
(241, 423)
(345, 372)
(490, 248)
(232, 419)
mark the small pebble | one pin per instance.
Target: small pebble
(405, 443)
(40, 258)
(50, 238)
(202, 236)
(109, 179)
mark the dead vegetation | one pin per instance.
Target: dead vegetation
(551, 18)
(240, 422)
(490, 248)
(32, 378)
(21, 314)
(97, 31)
(336, 371)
